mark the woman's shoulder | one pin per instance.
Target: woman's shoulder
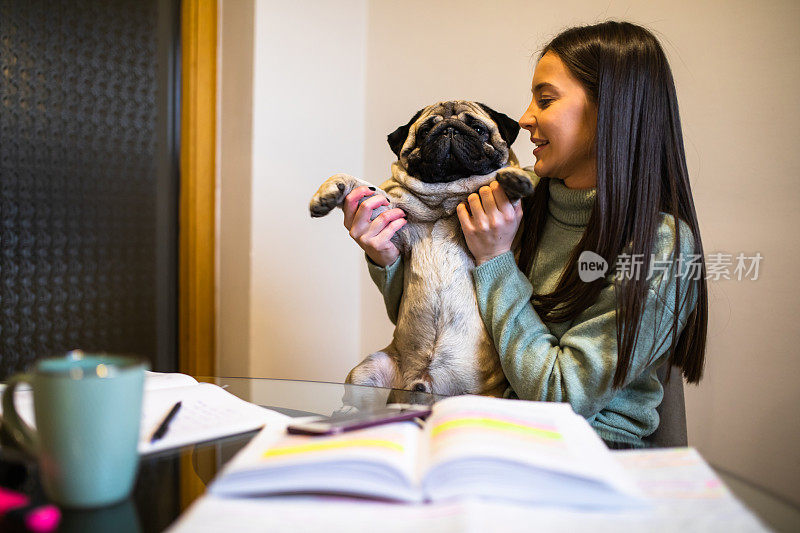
(672, 272)
(667, 237)
(664, 264)
(667, 267)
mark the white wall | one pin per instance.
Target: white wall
(332, 79)
(308, 123)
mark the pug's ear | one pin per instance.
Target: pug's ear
(509, 128)
(398, 137)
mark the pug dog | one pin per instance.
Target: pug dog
(447, 151)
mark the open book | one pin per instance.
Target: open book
(534, 452)
(207, 412)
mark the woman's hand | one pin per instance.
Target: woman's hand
(373, 236)
(491, 227)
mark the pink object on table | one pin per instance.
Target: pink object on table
(37, 518)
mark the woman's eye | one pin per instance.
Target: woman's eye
(544, 102)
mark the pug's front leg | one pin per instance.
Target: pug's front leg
(403, 238)
(333, 191)
(516, 183)
(401, 241)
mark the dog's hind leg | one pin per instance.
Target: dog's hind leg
(368, 383)
(378, 369)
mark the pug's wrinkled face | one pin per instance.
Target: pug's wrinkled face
(451, 140)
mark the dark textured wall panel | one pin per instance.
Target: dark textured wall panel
(78, 179)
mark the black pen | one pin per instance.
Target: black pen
(164, 425)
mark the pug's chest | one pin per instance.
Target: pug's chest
(436, 249)
(438, 289)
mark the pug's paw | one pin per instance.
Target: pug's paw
(516, 183)
(332, 193)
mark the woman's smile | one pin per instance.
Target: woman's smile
(538, 145)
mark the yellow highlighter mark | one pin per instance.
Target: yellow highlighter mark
(501, 425)
(333, 445)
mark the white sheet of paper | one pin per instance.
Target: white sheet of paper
(167, 380)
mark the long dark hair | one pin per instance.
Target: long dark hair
(641, 171)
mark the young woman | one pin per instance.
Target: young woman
(611, 179)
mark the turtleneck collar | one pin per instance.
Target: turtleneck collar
(572, 207)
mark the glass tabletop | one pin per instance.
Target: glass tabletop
(169, 481)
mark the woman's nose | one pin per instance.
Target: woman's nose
(527, 120)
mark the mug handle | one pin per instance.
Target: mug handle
(17, 428)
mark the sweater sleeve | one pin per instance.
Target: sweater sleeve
(579, 367)
(389, 281)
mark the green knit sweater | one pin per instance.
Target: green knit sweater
(574, 361)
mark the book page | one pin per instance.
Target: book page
(378, 461)
(467, 426)
(545, 435)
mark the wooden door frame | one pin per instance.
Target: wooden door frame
(197, 219)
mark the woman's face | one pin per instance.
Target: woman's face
(562, 122)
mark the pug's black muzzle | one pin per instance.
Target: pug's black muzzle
(452, 150)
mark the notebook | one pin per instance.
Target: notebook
(511, 450)
(207, 412)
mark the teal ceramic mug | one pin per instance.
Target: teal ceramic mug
(87, 410)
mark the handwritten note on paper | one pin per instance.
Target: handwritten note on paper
(207, 412)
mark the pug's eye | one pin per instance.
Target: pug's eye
(424, 129)
(480, 130)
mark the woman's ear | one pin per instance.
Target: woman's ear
(509, 128)
(398, 137)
